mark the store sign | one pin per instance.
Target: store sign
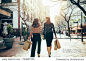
(14, 0)
(3, 12)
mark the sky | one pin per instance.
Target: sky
(54, 8)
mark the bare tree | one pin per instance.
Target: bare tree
(66, 13)
(63, 23)
(59, 25)
(60, 22)
(79, 5)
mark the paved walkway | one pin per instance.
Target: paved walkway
(73, 48)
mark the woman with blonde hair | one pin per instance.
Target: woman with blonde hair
(48, 32)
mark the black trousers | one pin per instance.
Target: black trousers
(36, 38)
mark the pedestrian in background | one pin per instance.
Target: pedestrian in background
(35, 31)
(64, 33)
(48, 30)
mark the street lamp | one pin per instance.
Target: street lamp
(81, 28)
(77, 28)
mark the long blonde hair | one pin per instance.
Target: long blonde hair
(48, 21)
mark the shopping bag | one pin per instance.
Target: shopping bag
(58, 44)
(27, 45)
(55, 46)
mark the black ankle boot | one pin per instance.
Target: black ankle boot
(38, 55)
(49, 56)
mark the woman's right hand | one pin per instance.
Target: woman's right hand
(29, 38)
(56, 37)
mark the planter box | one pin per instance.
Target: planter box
(9, 42)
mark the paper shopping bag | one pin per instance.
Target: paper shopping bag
(58, 44)
(55, 46)
(27, 45)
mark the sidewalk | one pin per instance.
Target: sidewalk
(4, 52)
(73, 48)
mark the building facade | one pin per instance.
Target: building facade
(14, 19)
(23, 10)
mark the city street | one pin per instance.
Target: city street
(20, 19)
(73, 48)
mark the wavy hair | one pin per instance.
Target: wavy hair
(35, 23)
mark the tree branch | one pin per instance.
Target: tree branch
(63, 15)
(82, 9)
(71, 12)
(78, 1)
(73, 2)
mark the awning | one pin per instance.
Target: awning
(67, 29)
(75, 28)
(4, 13)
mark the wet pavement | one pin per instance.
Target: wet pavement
(73, 48)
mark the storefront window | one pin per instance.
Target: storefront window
(6, 1)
